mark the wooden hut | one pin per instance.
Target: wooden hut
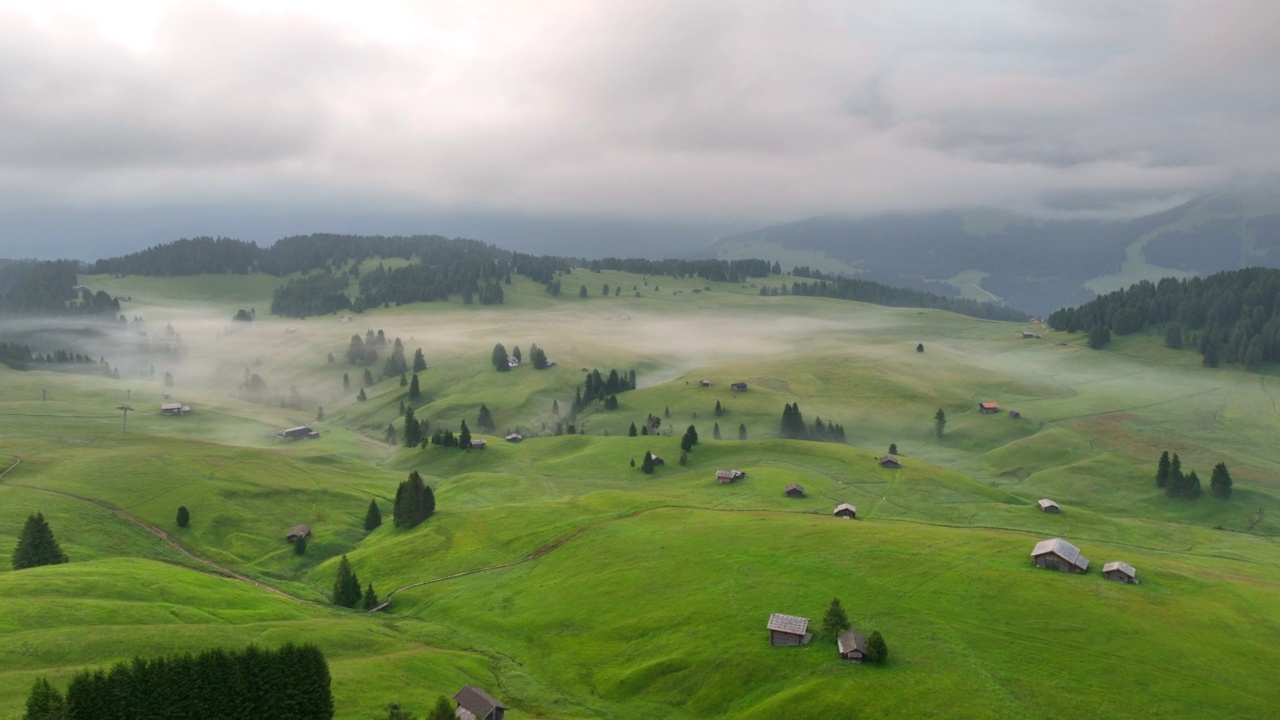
(728, 476)
(514, 437)
(788, 630)
(299, 531)
(1120, 572)
(657, 461)
(479, 444)
(1015, 414)
(1049, 506)
(296, 433)
(704, 383)
(476, 704)
(738, 387)
(988, 408)
(889, 461)
(794, 490)
(852, 646)
(846, 511)
(174, 408)
(1058, 554)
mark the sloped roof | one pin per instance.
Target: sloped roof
(1062, 549)
(991, 405)
(724, 473)
(299, 531)
(795, 486)
(477, 701)
(1123, 567)
(851, 640)
(890, 460)
(1047, 503)
(845, 506)
(793, 624)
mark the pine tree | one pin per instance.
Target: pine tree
(893, 448)
(631, 432)
(484, 423)
(719, 409)
(372, 517)
(715, 432)
(689, 439)
(1099, 337)
(499, 358)
(1191, 486)
(319, 413)
(443, 710)
(184, 516)
(36, 545)
(1176, 482)
(464, 436)
(919, 347)
(647, 466)
(1220, 483)
(684, 457)
(346, 381)
(555, 407)
(939, 422)
(412, 429)
(368, 377)
(370, 599)
(419, 361)
(877, 650)
(346, 586)
(390, 435)
(835, 621)
(45, 702)
(583, 292)
(1162, 470)
(414, 502)
(403, 380)
(742, 431)
(1173, 336)
(360, 396)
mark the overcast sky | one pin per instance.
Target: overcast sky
(653, 109)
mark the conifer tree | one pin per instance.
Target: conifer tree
(36, 545)
(368, 377)
(689, 439)
(877, 650)
(419, 361)
(719, 409)
(415, 390)
(742, 431)
(346, 381)
(414, 502)
(631, 432)
(715, 432)
(893, 448)
(499, 358)
(373, 516)
(45, 702)
(443, 710)
(555, 407)
(484, 422)
(1162, 470)
(1191, 486)
(1220, 482)
(390, 435)
(370, 599)
(939, 422)
(647, 466)
(583, 292)
(346, 586)
(464, 436)
(360, 396)
(835, 621)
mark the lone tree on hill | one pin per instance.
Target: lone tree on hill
(1162, 470)
(1220, 482)
(36, 545)
(45, 702)
(369, 600)
(184, 516)
(414, 502)
(360, 396)
(877, 650)
(835, 621)
(939, 422)
(499, 358)
(390, 435)
(485, 420)
(346, 586)
(689, 439)
(719, 409)
(583, 292)
(372, 517)
(464, 436)
(647, 466)
(919, 347)
(715, 432)
(415, 390)
(742, 431)
(893, 448)
(631, 432)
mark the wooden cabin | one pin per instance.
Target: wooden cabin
(846, 511)
(852, 646)
(1058, 554)
(889, 461)
(728, 476)
(704, 383)
(514, 437)
(788, 630)
(174, 408)
(299, 531)
(738, 387)
(657, 461)
(794, 490)
(1015, 414)
(476, 704)
(1120, 572)
(1049, 506)
(296, 433)
(479, 444)
(988, 408)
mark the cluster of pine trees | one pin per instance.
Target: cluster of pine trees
(346, 587)
(794, 427)
(1175, 483)
(415, 430)
(48, 287)
(414, 502)
(1229, 316)
(289, 683)
(318, 293)
(21, 357)
(603, 388)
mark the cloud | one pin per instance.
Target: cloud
(656, 109)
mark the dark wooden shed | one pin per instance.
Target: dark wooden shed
(476, 704)
(987, 408)
(296, 433)
(298, 531)
(1048, 505)
(795, 490)
(788, 630)
(852, 646)
(1120, 572)
(738, 387)
(1058, 554)
(889, 461)
(846, 511)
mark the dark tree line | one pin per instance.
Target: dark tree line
(289, 683)
(1231, 317)
(1175, 483)
(794, 428)
(49, 287)
(21, 357)
(414, 502)
(843, 288)
(602, 388)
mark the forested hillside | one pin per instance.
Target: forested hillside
(1229, 317)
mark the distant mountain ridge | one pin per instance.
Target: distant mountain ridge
(1030, 263)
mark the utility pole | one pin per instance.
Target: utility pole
(124, 419)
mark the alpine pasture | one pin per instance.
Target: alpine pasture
(571, 585)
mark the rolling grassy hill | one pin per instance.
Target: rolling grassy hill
(571, 585)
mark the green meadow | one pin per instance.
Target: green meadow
(567, 583)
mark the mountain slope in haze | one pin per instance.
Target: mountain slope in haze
(1030, 263)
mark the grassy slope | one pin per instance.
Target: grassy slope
(654, 604)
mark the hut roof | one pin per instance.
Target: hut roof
(989, 406)
(515, 437)
(299, 531)
(171, 406)
(725, 474)
(1062, 549)
(477, 701)
(796, 487)
(793, 624)
(845, 506)
(851, 640)
(1046, 503)
(1123, 567)
(890, 460)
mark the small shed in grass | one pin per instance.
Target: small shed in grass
(890, 461)
(299, 531)
(987, 408)
(479, 444)
(174, 408)
(514, 437)
(739, 387)
(852, 646)
(1120, 572)
(657, 461)
(704, 383)
(296, 433)
(794, 490)
(1058, 554)
(476, 704)
(728, 476)
(846, 511)
(1049, 506)
(788, 630)
(1015, 414)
